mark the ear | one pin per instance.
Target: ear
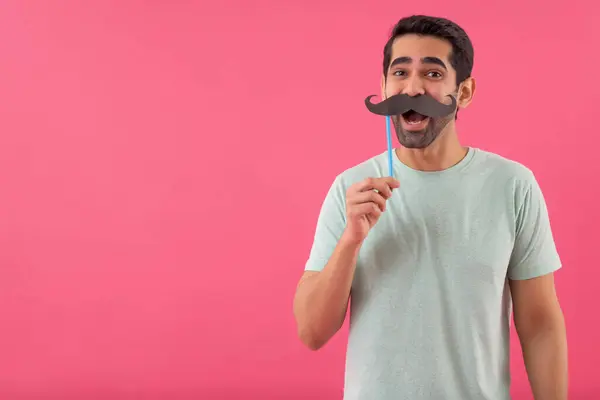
(466, 91)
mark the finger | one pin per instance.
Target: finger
(358, 210)
(368, 197)
(386, 184)
(392, 182)
(375, 211)
(365, 185)
(379, 184)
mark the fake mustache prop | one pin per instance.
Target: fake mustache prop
(402, 103)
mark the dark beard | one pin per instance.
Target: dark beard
(423, 138)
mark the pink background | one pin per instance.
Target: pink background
(152, 151)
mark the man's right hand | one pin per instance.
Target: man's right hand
(365, 201)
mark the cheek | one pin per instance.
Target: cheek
(391, 88)
(435, 92)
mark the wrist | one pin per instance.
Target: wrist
(350, 241)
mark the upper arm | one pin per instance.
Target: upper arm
(534, 298)
(535, 305)
(534, 251)
(533, 262)
(330, 226)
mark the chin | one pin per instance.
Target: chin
(415, 145)
(409, 144)
(416, 140)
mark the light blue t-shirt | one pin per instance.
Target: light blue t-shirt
(430, 304)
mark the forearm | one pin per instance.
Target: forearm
(545, 356)
(322, 300)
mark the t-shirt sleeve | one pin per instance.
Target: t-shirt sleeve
(330, 226)
(534, 252)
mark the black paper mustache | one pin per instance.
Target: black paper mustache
(401, 103)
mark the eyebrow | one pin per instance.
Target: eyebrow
(424, 60)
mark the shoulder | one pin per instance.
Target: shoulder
(503, 170)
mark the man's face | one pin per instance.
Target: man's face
(420, 65)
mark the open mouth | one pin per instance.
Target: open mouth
(414, 118)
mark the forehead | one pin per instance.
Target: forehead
(417, 47)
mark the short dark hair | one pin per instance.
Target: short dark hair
(462, 55)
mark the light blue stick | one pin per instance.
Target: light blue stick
(389, 144)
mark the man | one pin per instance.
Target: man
(433, 259)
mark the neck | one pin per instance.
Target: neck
(445, 152)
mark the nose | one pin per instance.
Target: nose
(414, 87)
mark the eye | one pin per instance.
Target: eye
(434, 74)
(398, 73)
